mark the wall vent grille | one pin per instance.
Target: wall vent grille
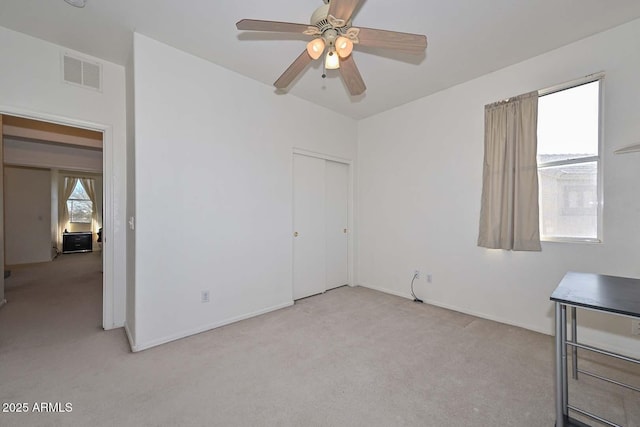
(81, 72)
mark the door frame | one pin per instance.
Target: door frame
(108, 302)
(350, 210)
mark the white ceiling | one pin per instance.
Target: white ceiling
(467, 38)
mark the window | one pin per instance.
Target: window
(569, 163)
(79, 205)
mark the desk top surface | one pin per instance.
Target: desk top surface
(613, 294)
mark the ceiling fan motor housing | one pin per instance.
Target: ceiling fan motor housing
(319, 18)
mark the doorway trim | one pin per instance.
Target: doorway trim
(108, 302)
(350, 206)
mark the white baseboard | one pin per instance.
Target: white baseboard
(614, 348)
(207, 327)
(388, 291)
(113, 326)
(132, 343)
(462, 310)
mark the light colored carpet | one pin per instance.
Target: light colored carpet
(350, 357)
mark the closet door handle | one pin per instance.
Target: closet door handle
(295, 234)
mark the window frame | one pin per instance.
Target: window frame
(70, 209)
(597, 77)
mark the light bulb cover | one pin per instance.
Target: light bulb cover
(315, 48)
(344, 46)
(332, 61)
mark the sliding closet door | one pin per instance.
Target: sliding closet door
(308, 226)
(320, 218)
(336, 217)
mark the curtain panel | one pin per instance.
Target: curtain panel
(509, 214)
(90, 188)
(63, 217)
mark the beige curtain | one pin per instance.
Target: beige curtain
(90, 188)
(63, 210)
(509, 213)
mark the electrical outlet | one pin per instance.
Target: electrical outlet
(416, 274)
(429, 277)
(635, 327)
(204, 297)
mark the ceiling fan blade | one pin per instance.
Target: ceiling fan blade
(282, 27)
(404, 42)
(351, 76)
(343, 9)
(294, 70)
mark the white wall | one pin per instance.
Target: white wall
(2, 264)
(130, 324)
(30, 83)
(27, 210)
(213, 161)
(420, 177)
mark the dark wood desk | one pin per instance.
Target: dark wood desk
(617, 295)
(77, 241)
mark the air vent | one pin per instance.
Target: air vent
(81, 72)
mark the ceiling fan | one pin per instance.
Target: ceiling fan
(333, 33)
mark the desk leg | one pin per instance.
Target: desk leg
(561, 365)
(565, 371)
(574, 349)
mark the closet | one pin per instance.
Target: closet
(320, 231)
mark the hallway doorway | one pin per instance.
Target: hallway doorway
(44, 155)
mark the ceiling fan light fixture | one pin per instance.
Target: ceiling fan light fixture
(331, 61)
(332, 23)
(344, 46)
(315, 48)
